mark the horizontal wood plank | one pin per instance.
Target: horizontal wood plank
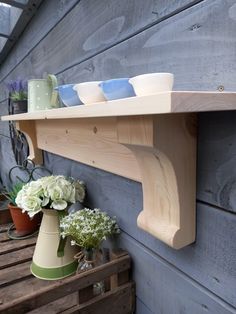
(43, 292)
(166, 102)
(118, 301)
(38, 30)
(216, 159)
(16, 257)
(162, 288)
(13, 274)
(15, 245)
(58, 306)
(113, 23)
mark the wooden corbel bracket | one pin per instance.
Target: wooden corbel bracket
(157, 150)
(28, 128)
(165, 149)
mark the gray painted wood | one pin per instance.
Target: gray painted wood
(206, 63)
(49, 14)
(166, 290)
(198, 46)
(193, 45)
(108, 24)
(217, 159)
(141, 308)
(4, 20)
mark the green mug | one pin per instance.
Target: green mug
(42, 94)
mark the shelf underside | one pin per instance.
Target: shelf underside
(166, 102)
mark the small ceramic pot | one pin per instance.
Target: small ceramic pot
(68, 95)
(152, 83)
(117, 88)
(89, 92)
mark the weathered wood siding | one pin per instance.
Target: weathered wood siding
(93, 40)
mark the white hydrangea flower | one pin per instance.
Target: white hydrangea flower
(56, 192)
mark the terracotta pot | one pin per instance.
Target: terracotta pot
(23, 224)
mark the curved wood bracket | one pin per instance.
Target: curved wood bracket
(165, 149)
(29, 130)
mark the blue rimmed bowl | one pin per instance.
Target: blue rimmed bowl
(117, 88)
(68, 95)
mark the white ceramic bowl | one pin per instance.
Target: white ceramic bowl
(89, 92)
(152, 83)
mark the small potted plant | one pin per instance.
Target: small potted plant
(18, 94)
(24, 225)
(87, 229)
(53, 256)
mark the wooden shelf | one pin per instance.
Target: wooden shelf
(166, 102)
(139, 138)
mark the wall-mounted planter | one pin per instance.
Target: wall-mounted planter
(150, 139)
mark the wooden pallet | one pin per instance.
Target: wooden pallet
(20, 292)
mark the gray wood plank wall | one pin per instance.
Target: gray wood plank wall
(87, 40)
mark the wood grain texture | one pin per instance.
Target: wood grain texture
(160, 103)
(166, 166)
(4, 20)
(41, 292)
(168, 174)
(113, 23)
(198, 46)
(90, 141)
(15, 245)
(191, 44)
(120, 301)
(216, 160)
(11, 275)
(15, 257)
(49, 11)
(164, 289)
(29, 127)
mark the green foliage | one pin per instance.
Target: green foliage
(12, 194)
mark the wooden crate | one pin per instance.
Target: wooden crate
(20, 292)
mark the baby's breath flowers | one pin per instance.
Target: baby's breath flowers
(88, 228)
(56, 192)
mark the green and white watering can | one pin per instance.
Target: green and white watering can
(50, 260)
(42, 94)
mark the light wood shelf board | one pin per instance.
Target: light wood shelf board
(166, 102)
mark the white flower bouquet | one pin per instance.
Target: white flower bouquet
(88, 228)
(55, 192)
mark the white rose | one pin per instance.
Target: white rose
(31, 204)
(59, 204)
(35, 188)
(55, 192)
